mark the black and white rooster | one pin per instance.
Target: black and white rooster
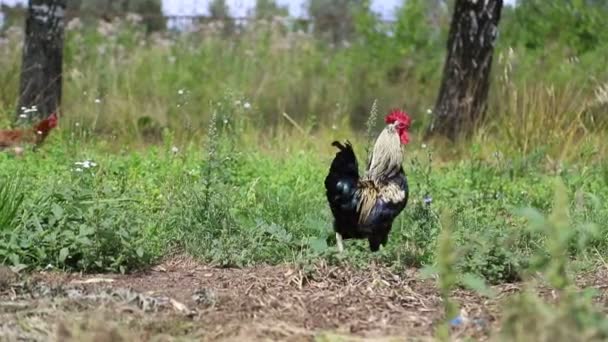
(365, 207)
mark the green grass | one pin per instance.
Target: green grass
(229, 202)
(214, 198)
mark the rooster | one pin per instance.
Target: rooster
(365, 207)
(16, 138)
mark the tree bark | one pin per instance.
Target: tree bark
(42, 59)
(462, 99)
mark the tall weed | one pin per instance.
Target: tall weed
(573, 316)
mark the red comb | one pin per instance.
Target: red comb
(398, 115)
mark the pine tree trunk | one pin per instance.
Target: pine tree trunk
(42, 58)
(466, 75)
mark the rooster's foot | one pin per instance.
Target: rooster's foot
(339, 242)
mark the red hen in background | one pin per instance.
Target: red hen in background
(15, 139)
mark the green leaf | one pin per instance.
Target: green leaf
(595, 200)
(535, 217)
(86, 230)
(477, 284)
(57, 211)
(14, 259)
(318, 245)
(63, 254)
(85, 241)
(68, 235)
(18, 268)
(428, 272)
(587, 232)
(140, 252)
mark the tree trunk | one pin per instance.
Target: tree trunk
(466, 75)
(41, 66)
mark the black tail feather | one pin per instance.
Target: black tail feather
(341, 182)
(339, 144)
(345, 162)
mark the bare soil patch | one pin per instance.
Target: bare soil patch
(181, 299)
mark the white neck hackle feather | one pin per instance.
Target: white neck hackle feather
(387, 157)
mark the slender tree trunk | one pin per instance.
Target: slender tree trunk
(466, 75)
(42, 58)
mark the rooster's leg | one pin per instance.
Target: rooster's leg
(339, 242)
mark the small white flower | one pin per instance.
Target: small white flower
(247, 105)
(39, 132)
(97, 101)
(23, 116)
(429, 111)
(77, 124)
(334, 127)
(87, 164)
(174, 149)
(180, 92)
(423, 145)
(225, 121)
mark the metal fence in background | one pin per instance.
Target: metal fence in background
(11, 14)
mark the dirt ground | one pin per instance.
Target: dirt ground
(182, 300)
